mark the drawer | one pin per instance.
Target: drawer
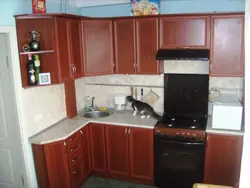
(76, 174)
(75, 157)
(73, 148)
(73, 139)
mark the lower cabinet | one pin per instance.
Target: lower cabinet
(223, 159)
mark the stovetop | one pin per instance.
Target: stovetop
(183, 122)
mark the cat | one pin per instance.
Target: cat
(143, 108)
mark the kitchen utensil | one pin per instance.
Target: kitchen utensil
(141, 94)
(151, 97)
(119, 102)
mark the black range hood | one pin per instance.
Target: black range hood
(183, 54)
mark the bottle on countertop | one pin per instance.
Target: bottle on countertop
(37, 67)
(31, 71)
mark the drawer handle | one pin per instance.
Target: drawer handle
(81, 132)
(74, 172)
(73, 160)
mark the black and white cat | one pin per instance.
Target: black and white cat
(143, 108)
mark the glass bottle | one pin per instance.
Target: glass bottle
(34, 44)
(37, 67)
(31, 71)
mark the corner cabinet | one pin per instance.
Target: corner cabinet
(60, 41)
(223, 159)
(136, 44)
(227, 45)
(97, 39)
(185, 32)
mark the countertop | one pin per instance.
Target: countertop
(66, 127)
(209, 129)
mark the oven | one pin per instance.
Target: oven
(179, 159)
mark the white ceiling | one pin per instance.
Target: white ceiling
(88, 3)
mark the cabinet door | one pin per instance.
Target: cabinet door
(76, 48)
(117, 149)
(97, 145)
(63, 48)
(86, 151)
(227, 45)
(184, 32)
(124, 36)
(141, 153)
(57, 164)
(147, 45)
(223, 159)
(98, 46)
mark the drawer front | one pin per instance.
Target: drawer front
(76, 174)
(73, 139)
(75, 157)
(73, 148)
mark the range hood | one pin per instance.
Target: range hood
(183, 54)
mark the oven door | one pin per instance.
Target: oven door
(178, 164)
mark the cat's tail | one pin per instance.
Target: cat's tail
(157, 116)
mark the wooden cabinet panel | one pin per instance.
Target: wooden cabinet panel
(57, 161)
(98, 46)
(86, 151)
(141, 153)
(97, 145)
(117, 149)
(76, 48)
(227, 45)
(63, 48)
(124, 39)
(223, 159)
(147, 45)
(70, 98)
(76, 174)
(184, 32)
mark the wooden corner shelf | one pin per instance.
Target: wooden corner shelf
(38, 52)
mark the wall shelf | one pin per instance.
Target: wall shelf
(38, 52)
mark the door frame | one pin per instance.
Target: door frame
(14, 68)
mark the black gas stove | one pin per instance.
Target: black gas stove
(183, 122)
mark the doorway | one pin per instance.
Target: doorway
(12, 168)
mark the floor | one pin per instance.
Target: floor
(96, 182)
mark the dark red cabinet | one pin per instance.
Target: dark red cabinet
(117, 149)
(141, 153)
(184, 32)
(227, 45)
(97, 145)
(97, 39)
(124, 43)
(223, 159)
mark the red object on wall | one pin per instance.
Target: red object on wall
(38, 6)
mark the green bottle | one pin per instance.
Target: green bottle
(37, 67)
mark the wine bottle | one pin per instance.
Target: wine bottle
(37, 67)
(34, 44)
(31, 71)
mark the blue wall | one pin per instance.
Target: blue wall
(9, 8)
(170, 6)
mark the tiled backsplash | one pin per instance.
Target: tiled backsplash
(103, 94)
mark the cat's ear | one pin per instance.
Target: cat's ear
(129, 98)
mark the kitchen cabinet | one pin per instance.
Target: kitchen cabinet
(184, 32)
(223, 159)
(136, 44)
(141, 153)
(227, 45)
(97, 145)
(60, 52)
(85, 142)
(97, 39)
(147, 46)
(117, 149)
(124, 42)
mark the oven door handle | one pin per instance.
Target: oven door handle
(186, 143)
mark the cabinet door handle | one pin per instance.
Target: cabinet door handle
(128, 131)
(74, 172)
(210, 67)
(74, 69)
(81, 132)
(135, 66)
(72, 150)
(138, 67)
(73, 161)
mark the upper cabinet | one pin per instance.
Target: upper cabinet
(98, 46)
(60, 45)
(147, 45)
(227, 45)
(124, 40)
(136, 44)
(184, 32)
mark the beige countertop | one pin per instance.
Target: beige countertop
(209, 129)
(64, 128)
